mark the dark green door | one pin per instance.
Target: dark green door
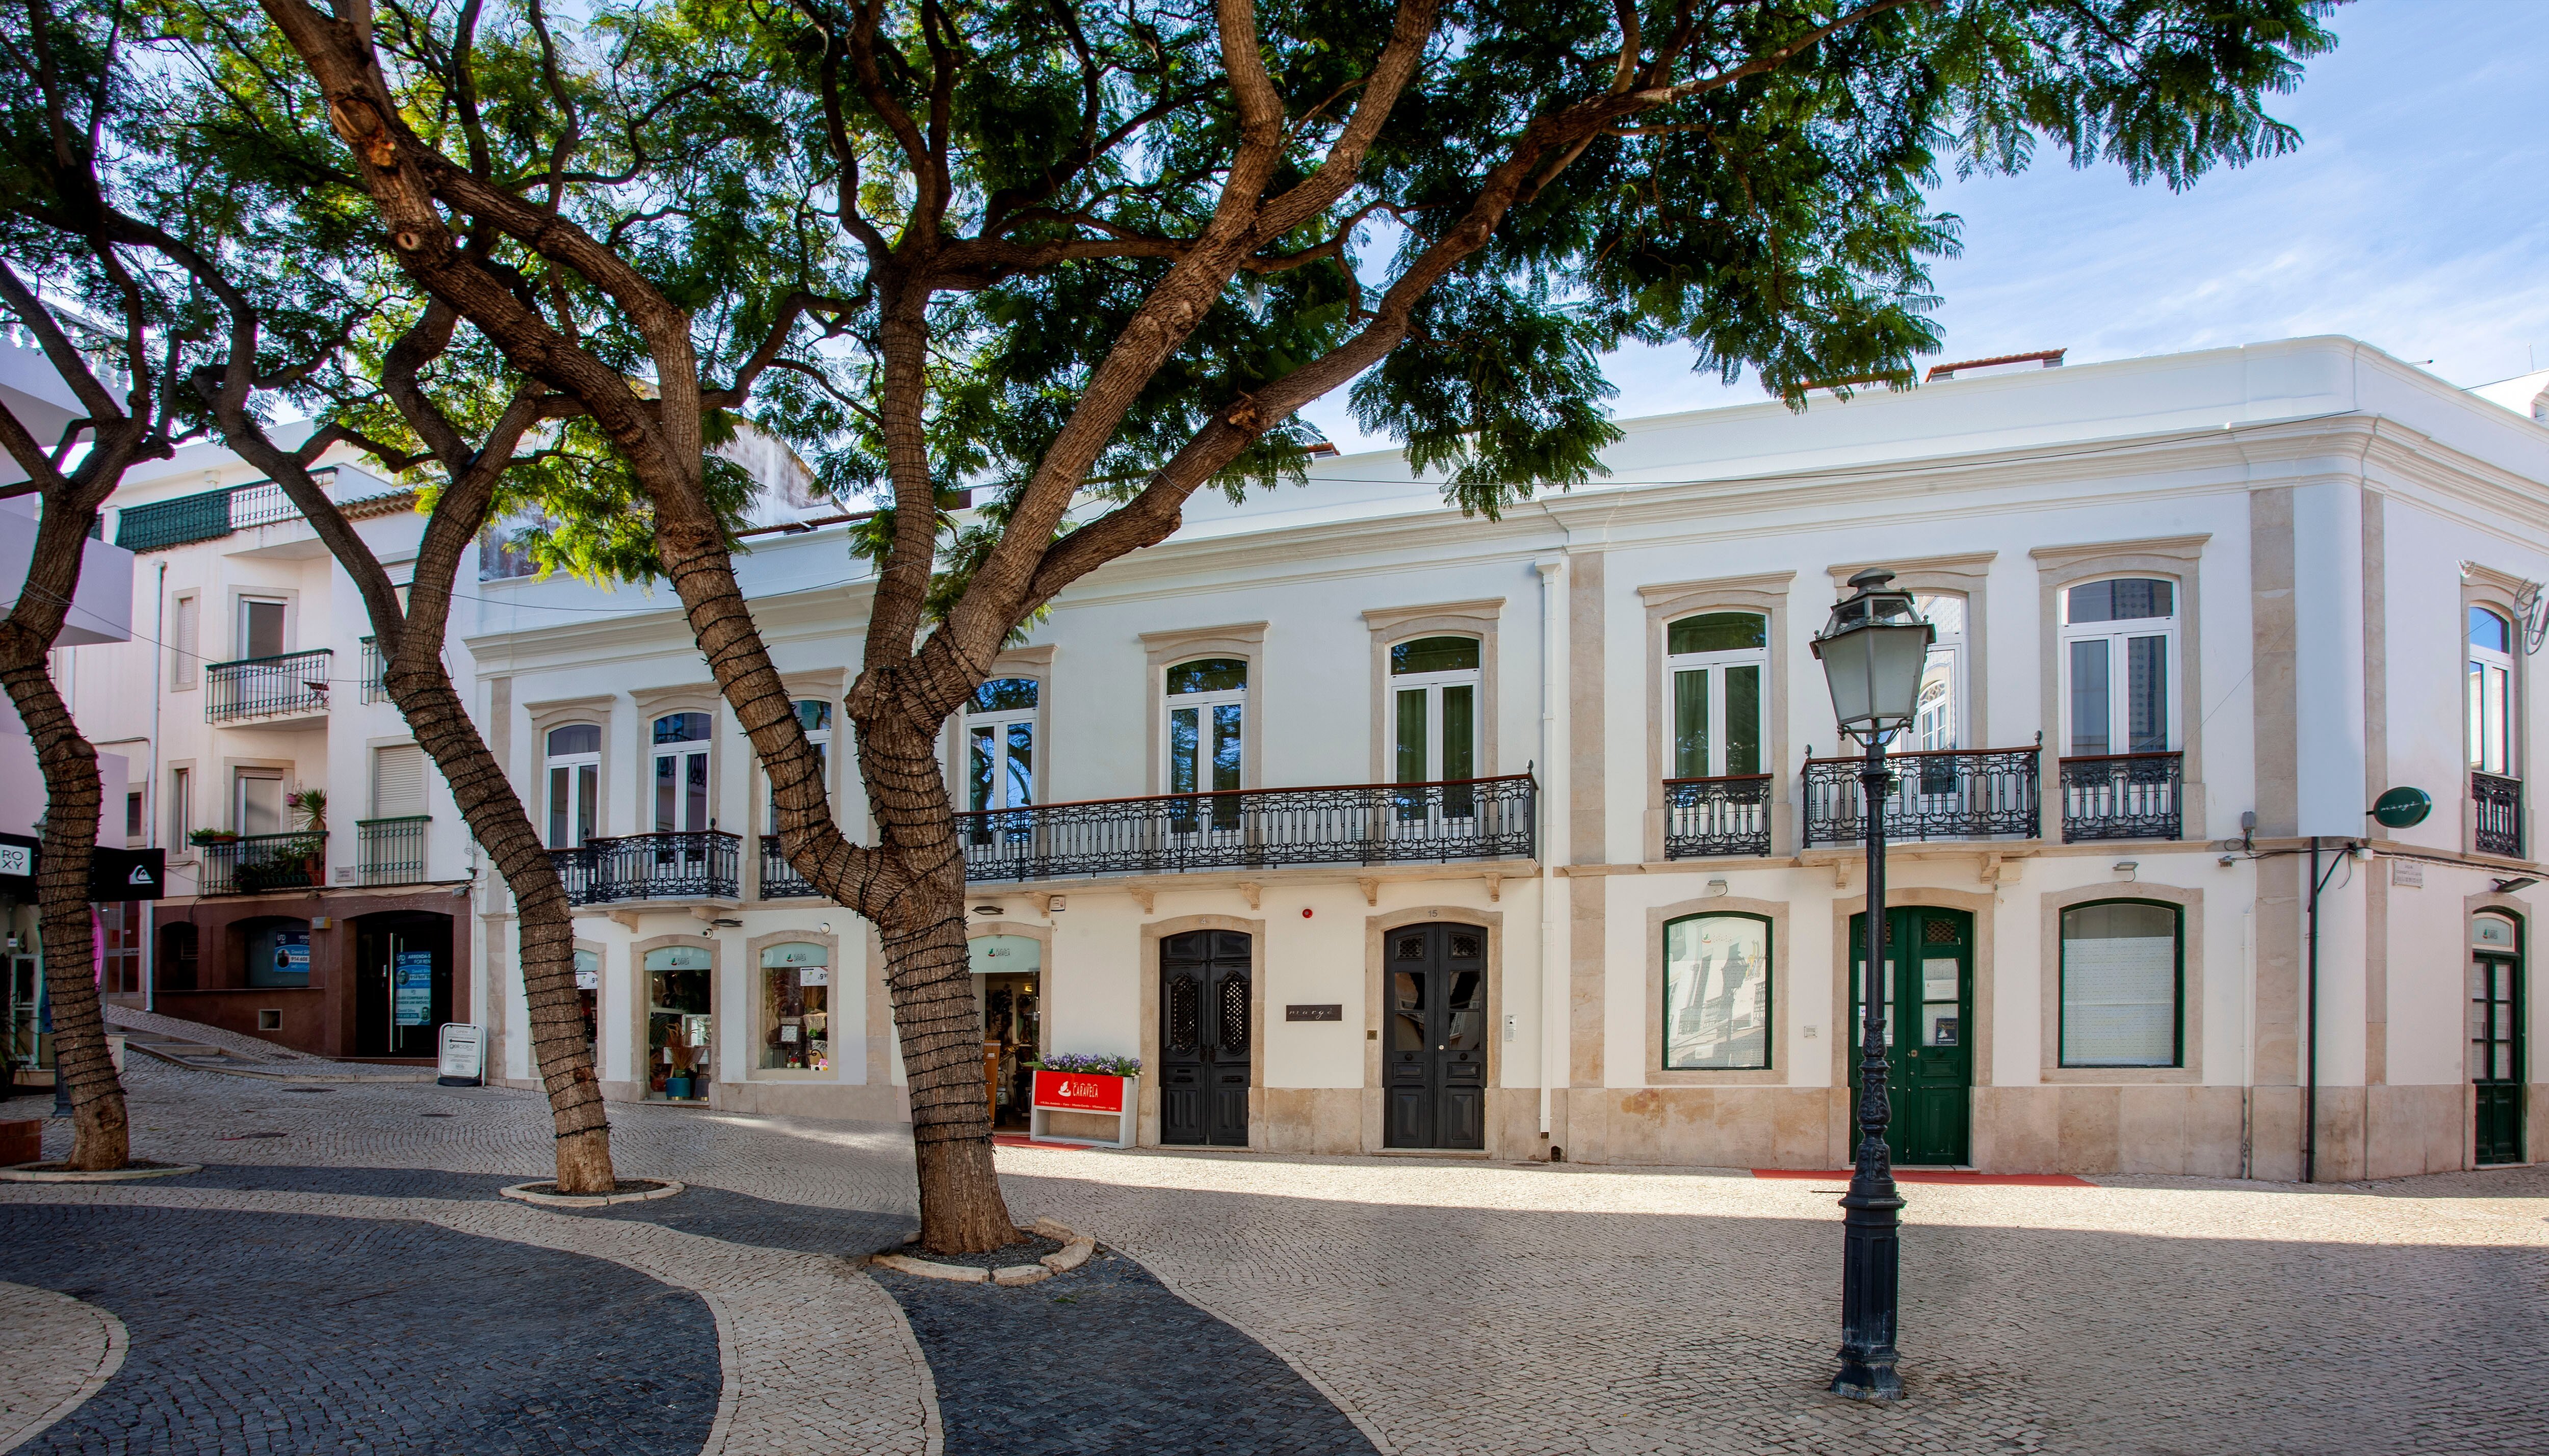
(2495, 1053)
(1930, 1065)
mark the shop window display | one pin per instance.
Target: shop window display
(1007, 979)
(588, 995)
(679, 1026)
(795, 995)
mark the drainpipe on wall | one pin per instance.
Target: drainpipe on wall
(1553, 979)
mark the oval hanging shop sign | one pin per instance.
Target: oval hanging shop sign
(1078, 1092)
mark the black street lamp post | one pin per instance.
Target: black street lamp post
(1873, 651)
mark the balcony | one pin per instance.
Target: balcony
(1717, 816)
(1937, 793)
(2497, 819)
(290, 691)
(1254, 829)
(210, 515)
(391, 851)
(261, 864)
(376, 686)
(779, 879)
(2122, 797)
(693, 864)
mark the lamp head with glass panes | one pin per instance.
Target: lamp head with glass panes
(1873, 650)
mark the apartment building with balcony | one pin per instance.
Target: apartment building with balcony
(1370, 827)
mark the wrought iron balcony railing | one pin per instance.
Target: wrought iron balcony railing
(262, 686)
(1717, 816)
(2122, 797)
(779, 879)
(1254, 829)
(259, 864)
(208, 515)
(688, 865)
(375, 684)
(391, 851)
(2497, 821)
(1937, 793)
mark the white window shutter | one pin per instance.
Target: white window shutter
(182, 636)
(398, 782)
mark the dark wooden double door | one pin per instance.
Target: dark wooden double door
(1434, 1056)
(1928, 1015)
(1204, 1032)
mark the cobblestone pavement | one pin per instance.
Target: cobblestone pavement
(1462, 1309)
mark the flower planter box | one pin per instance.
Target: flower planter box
(1087, 1095)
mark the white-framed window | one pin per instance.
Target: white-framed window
(261, 626)
(2120, 668)
(1716, 665)
(2492, 733)
(1001, 745)
(259, 801)
(181, 807)
(815, 717)
(574, 765)
(679, 781)
(1207, 708)
(1939, 717)
(2124, 979)
(1434, 696)
(1717, 993)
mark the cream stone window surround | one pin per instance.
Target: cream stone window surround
(235, 630)
(641, 995)
(228, 788)
(756, 1014)
(1042, 935)
(1776, 1074)
(184, 814)
(1668, 603)
(1152, 935)
(1375, 941)
(1391, 625)
(1162, 651)
(562, 712)
(185, 640)
(1967, 575)
(1035, 663)
(2190, 1008)
(2500, 593)
(653, 704)
(1846, 1030)
(2174, 559)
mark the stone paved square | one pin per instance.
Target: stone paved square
(357, 1284)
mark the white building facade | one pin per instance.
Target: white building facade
(1370, 827)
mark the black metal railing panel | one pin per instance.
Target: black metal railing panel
(1253, 829)
(683, 864)
(375, 668)
(1717, 816)
(391, 851)
(258, 863)
(779, 879)
(2496, 823)
(208, 514)
(260, 686)
(2123, 797)
(1937, 794)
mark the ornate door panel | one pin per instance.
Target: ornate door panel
(1434, 1062)
(1930, 967)
(1204, 1039)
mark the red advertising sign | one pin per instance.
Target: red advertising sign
(1078, 1092)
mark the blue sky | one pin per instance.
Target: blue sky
(2415, 217)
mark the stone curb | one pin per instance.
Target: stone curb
(32, 1174)
(526, 1193)
(1076, 1248)
(281, 1073)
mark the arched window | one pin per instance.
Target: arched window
(814, 716)
(1714, 663)
(2490, 693)
(681, 772)
(1207, 701)
(2123, 981)
(1434, 687)
(1001, 745)
(1940, 715)
(2118, 690)
(1717, 993)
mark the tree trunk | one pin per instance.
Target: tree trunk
(544, 920)
(100, 1136)
(926, 971)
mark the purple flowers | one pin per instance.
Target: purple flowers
(1092, 1065)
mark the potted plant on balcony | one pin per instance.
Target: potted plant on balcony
(201, 837)
(312, 851)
